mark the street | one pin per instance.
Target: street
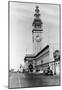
(19, 80)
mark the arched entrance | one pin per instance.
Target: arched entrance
(30, 67)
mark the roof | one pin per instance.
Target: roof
(29, 56)
(34, 56)
(34, 30)
(42, 50)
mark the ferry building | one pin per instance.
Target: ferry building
(42, 57)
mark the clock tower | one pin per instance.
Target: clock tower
(37, 32)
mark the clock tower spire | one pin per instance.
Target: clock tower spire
(37, 23)
(37, 31)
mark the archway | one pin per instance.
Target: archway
(30, 67)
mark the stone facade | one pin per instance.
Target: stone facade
(46, 56)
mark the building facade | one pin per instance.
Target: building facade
(40, 60)
(42, 57)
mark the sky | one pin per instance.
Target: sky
(21, 19)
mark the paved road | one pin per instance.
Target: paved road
(18, 80)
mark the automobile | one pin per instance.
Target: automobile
(41, 71)
(48, 72)
(38, 72)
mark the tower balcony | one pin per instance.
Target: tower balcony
(37, 30)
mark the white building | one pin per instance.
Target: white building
(43, 47)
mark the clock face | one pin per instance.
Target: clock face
(38, 38)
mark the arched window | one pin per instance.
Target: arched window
(56, 55)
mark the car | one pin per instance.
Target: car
(38, 72)
(48, 72)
